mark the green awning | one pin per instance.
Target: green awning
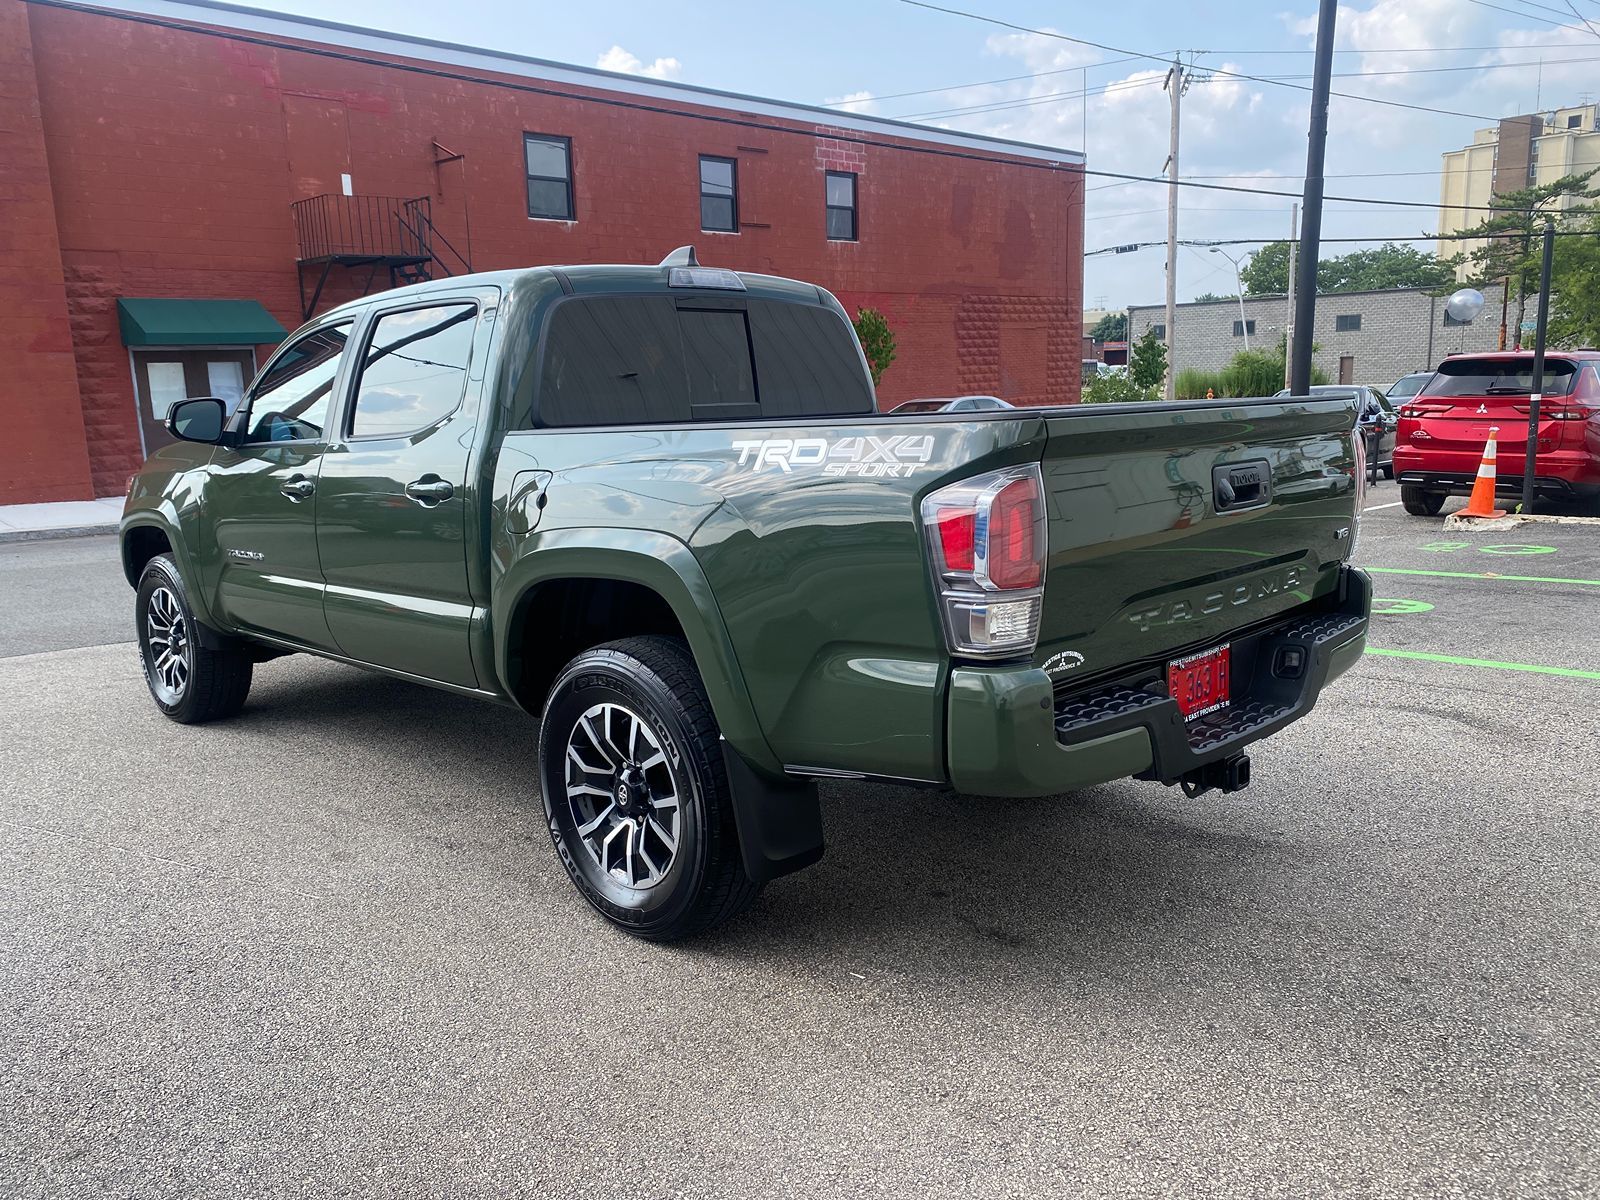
(197, 323)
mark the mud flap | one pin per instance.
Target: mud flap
(779, 823)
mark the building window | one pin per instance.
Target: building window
(841, 201)
(1347, 323)
(719, 194)
(1160, 331)
(1449, 321)
(1239, 327)
(1574, 121)
(549, 165)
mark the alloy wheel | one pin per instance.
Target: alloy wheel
(623, 795)
(167, 646)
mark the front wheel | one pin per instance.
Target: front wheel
(1420, 503)
(636, 794)
(1388, 470)
(189, 681)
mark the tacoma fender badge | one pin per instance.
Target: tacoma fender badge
(1060, 664)
(246, 555)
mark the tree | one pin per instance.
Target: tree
(1113, 327)
(1266, 273)
(1385, 266)
(877, 341)
(1210, 298)
(1147, 361)
(1575, 290)
(1512, 250)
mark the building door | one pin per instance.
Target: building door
(1347, 368)
(163, 377)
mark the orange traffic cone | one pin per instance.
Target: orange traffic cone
(1481, 503)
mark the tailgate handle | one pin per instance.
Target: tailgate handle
(1238, 486)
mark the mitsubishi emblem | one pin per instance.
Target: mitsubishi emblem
(1483, 410)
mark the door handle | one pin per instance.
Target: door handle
(429, 490)
(298, 488)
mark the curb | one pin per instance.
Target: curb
(1457, 522)
(10, 536)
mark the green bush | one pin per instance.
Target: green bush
(1191, 384)
(1252, 373)
(1117, 389)
(877, 341)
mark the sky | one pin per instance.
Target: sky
(1476, 60)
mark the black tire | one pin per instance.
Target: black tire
(1388, 470)
(644, 689)
(213, 681)
(1420, 503)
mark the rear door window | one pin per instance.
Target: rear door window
(624, 360)
(1499, 377)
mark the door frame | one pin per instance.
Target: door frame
(133, 376)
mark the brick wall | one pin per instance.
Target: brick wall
(175, 153)
(45, 456)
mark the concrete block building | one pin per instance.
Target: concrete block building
(1361, 337)
(182, 182)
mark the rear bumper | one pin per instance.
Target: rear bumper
(1457, 483)
(1558, 474)
(1011, 734)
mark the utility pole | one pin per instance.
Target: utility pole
(1288, 326)
(1311, 233)
(1177, 81)
(1531, 462)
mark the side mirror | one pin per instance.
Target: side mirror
(198, 420)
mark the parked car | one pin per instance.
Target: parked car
(1407, 386)
(657, 505)
(1443, 428)
(1375, 412)
(951, 404)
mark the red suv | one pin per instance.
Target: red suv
(1443, 427)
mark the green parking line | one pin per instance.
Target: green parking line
(1481, 575)
(1565, 672)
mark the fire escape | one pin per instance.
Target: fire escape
(376, 233)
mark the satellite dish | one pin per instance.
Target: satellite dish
(1464, 305)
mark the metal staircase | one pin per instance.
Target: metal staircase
(378, 233)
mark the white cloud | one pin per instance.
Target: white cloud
(857, 102)
(628, 63)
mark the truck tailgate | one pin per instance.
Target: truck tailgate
(1171, 527)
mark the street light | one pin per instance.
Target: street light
(1238, 283)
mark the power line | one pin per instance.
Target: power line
(1005, 105)
(1215, 71)
(1128, 247)
(1525, 16)
(958, 87)
(1225, 187)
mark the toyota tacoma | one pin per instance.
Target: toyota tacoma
(658, 508)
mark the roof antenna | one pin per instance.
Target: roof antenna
(683, 256)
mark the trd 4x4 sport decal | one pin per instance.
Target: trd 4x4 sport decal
(893, 457)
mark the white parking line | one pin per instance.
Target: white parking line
(1376, 507)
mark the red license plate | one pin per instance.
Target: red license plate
(1201, 683)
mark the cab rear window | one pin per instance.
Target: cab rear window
(641, 360)
(1499, 377)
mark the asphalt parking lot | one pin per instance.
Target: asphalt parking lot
(326, 949)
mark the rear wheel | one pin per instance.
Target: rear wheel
(189, 681)
(1420, 503)
(636, 794)
(1388, 470)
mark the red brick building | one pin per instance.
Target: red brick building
(259, 167)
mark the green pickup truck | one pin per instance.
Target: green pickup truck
(657, 507)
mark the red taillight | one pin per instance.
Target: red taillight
(958, 529)
(1013, 558)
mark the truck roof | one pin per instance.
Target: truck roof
(602, 278)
